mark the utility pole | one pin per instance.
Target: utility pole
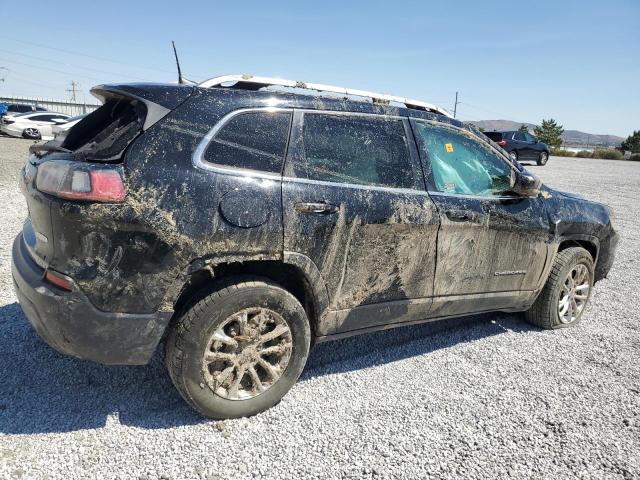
(455, 106)
(73, 89)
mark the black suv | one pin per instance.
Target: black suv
(521, 146)
(244, 223)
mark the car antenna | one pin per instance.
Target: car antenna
(180, 79)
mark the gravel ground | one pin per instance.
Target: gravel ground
(486, 397)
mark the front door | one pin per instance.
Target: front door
(355, 204)
(492, 244)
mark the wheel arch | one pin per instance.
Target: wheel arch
(295, 272)
(590, 243)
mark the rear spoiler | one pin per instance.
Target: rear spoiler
(159, 98)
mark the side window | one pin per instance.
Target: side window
(530, 138)
(461, 164)
(40, 118)
(255, 140)
(519, 136)
(357, 149)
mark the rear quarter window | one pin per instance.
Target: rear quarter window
(251, 140)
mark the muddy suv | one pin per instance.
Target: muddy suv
(242, 220)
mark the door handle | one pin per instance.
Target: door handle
(315, 207)
(461, 216)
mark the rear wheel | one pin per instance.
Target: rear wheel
(31, 133)
(239, 350)
(567, 291)
(542, 159)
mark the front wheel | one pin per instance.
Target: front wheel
(567, 291)
(239, 350)
(514, 155)
(542, 159)
(31, 133)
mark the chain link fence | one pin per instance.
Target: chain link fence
(70, 108)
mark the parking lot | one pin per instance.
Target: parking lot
(482, 397)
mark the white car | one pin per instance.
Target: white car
(61, 127)
(34, 126)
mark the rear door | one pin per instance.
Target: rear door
(354, 203)
(534, 146)
(522, 146)
(492, 244)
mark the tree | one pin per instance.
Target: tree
(523, 128)
(550, 133)
(632, 143)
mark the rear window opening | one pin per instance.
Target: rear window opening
(104, 134)
(495, 136)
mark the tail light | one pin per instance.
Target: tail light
(502, 143)
(59, 280)
(81, 181)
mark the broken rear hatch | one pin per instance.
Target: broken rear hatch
(99, 140)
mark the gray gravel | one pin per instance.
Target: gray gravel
(487, 397)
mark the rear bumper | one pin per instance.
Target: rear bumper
(72, 325)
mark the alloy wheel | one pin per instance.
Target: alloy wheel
(574, 294)
(544, 156)
(247, 353)
(513, 155)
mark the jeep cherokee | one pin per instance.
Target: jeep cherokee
(245, 218)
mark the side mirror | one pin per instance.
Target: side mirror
(527, 184)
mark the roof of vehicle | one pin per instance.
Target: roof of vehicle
(252, 82)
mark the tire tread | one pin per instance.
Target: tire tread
(541, 313)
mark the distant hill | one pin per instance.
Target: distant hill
(570, 137)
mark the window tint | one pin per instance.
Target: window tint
(463, 165)
(357, 149)
(530, 138)
(495, 136)
(519, 136)
(40, 118)
(253, 140)
(20, 108)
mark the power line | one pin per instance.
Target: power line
(68, 64)
(50, 69)
(71, 52)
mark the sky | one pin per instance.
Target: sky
(575, 61)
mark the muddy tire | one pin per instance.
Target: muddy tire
(238, 351)
(567, 291)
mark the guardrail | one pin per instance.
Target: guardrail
(60, 106)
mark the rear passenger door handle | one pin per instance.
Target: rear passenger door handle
(312, 207)
(461, 216)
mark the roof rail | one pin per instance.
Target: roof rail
(260, 82)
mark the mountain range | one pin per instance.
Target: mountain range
(570, 137)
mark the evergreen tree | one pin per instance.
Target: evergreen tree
(632, 143)
(550, 132)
